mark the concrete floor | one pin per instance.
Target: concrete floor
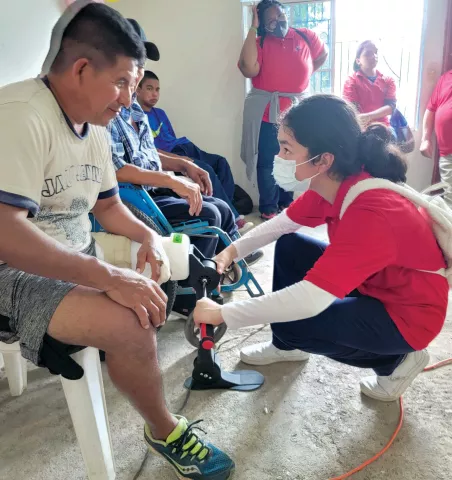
(308, 421)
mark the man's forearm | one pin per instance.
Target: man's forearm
(139, 176)
(428, 125)
(119, 220)
(25, 247)
(168, 154)
(173, 163)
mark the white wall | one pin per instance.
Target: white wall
(202, 88)
(25, 28)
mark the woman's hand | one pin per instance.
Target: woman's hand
(225, 258)
(365, 119)
(255, 17)
(207, 311)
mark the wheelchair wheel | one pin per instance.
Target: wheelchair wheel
(192, 332)
(231, 275)
(170, 288)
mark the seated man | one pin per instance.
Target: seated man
(137, 161)
(55, 167)
(148, 94)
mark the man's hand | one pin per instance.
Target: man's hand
(190, 192)
(150, 253)
(426, 148)
(141, 295)
(201, 177)
(207, 311)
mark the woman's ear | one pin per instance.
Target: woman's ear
(326, 161)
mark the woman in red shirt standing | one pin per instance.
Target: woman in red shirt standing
(373, 93)
(377, 295)
(280, 62)
(438, 117)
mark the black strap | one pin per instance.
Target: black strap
(303, 36)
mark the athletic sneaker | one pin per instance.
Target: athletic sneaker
(243, 226)
(266, 353)
(391, 388)
(268, 216)
(190, 456)
(254, 257)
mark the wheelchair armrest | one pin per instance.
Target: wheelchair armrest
(131, 186)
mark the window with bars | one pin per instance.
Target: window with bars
(317, 16)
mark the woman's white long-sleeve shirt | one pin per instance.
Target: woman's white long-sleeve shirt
(297, 302)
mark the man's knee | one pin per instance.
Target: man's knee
(88, 317)
(211, 214)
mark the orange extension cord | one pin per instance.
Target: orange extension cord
(396, 432)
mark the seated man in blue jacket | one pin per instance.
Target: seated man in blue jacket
(165, 139)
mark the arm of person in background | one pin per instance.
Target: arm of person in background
(426, 147)
(249, 63)
(128, 173)
(377, 114)
(387, 109)
(175, 163)
(428, 127)
(319, 51)
(350, 92)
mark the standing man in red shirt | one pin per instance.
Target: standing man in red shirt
(438, 117)
(280, 62)
(373, 93)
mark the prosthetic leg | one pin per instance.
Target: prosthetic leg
(188, 264)
(207, 373)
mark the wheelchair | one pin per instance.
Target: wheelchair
(141, 204)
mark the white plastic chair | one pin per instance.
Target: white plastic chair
(86, 402)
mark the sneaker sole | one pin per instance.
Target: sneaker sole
(262, 361)
(255, 260)
(176, 471)
(419, 367)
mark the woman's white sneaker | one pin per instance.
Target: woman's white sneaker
(266, 353)
(391, 388)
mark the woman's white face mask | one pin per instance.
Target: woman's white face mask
(284, 173)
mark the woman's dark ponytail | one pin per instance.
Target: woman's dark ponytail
(379, 157)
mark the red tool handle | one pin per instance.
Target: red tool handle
(207, 339)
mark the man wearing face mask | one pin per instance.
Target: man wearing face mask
(280, 61)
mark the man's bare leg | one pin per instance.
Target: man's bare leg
(88, 317)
